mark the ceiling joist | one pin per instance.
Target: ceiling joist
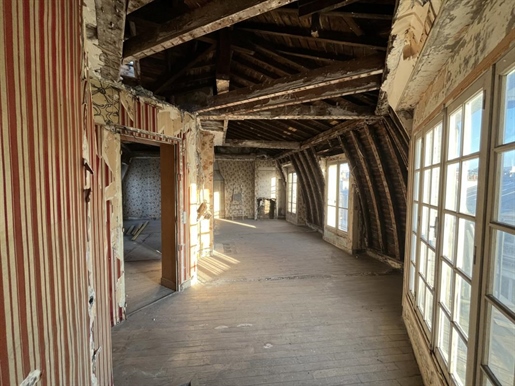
(308, 80)
(261, 144)
(213, 16)
(301, 112)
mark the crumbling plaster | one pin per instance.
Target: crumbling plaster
(493, 25)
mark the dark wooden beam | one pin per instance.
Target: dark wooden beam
(309, 7)
(223, 61)
(337, 14)
(297, 97)
(388, 190)
(308, 80)
(262, 144)
(303, 112)
(305, 34)
(180, 69)
(365, 168)
(213, 16)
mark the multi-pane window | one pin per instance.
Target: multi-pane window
(292, 192)
(498, 361)
(461, 266)
(462, 164)
(338, 177)
(426, 181)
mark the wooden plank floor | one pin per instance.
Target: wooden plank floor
(276, 306)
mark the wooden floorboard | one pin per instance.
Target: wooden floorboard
(275, 305)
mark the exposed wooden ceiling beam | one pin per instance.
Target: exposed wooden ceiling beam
(319, 77)
(309, 7)
(337, 14)
(301, 112)
(305, 34)
(261, 144)
(326, 92)
(223, 61)
(175, 73)
(214, 16)
(326, 136)
(136, 4)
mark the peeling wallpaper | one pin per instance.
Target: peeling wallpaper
(142, 189)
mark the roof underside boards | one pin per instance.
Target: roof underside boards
(290, 80)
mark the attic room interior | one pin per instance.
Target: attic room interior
(279, 192)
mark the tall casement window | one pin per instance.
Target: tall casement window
(461, 266)
(498, 302)
(338, 178)
(292, 192)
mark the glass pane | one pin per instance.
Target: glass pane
(504, 268)
(428, 148)
(416, 183)
(501, 352)
(426, 186)
(343, 223)
(331, 216)
(430, 267)
(435, 180)
(451, 189)
(508, 113)
(437, 143)
(412, 278)
(413, 247)
(462, 309)
(414, 220)
(472, 129)
(465, 256)
(425, 220)
(458, 358)
(422, 261)
(444, 336)
(469, 175)
(344, 186)
(449, 237)
(418, 149)
(428, 312)
(331, 185)
(433, 225)
(488, 383)
(421, 295)
(454, 135)
(506, 189)
(446, 288)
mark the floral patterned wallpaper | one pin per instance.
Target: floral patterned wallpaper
(142, 189)
(238, 179)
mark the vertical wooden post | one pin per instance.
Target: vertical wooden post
(169, 217)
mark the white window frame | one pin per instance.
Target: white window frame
(338, 206)
(292, 191)
(483, 84)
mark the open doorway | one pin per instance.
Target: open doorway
(142, 215)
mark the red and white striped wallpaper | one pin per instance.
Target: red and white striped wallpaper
(51, 257)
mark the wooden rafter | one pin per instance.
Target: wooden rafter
(370, 186)
(223, 61)
(310, 95)
(305, 34)
(309, 7)
(308, 80)
(213, 16)
(302, 112)
(262, 144)
(176, 72)
(337, 14)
